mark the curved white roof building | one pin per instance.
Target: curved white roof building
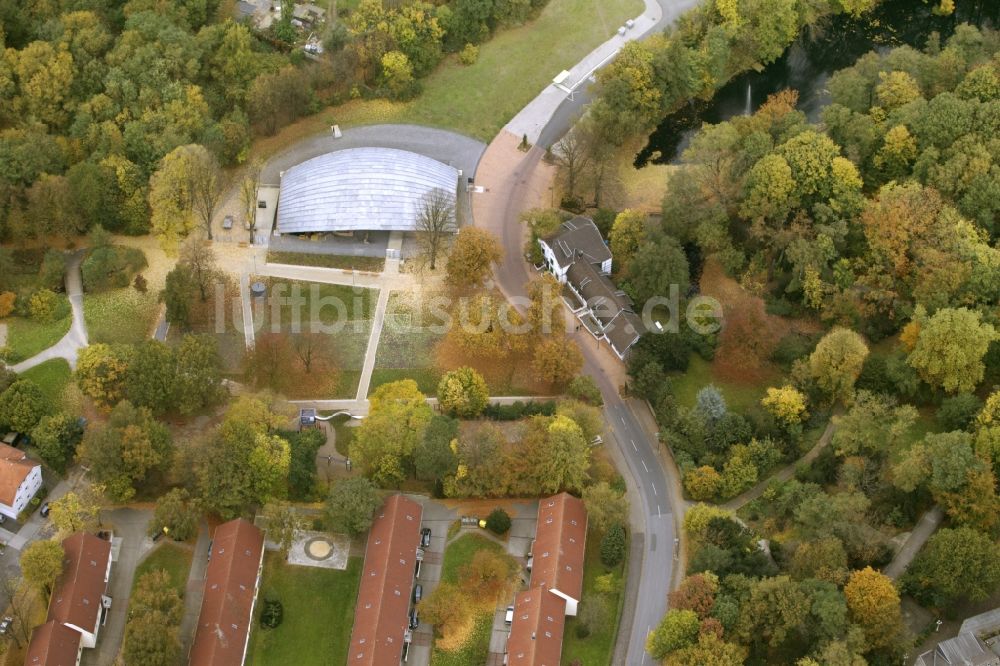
(360, 189)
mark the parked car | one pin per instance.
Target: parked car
(508, 618)
(418, 593)
(414, 620)
(5, 624)
(425, 537)
(44, 510)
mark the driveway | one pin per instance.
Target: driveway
(194, 592)
(438, 517)
(130, 526)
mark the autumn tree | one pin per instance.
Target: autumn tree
(787, 404)
(351, 505)
(627, 235)
(463, 393)
(101, 371)
(571, 156)
(22, 405)
(556, 360)
(605, 506)
(678, 629)
(384, 443)
(184, 193)
(837, 361)
(873, 604)
(283, 524)
(152, 629)
(471, 259)
(200, 260)
(950, 349)
(41, 563)
(435, 221)
(75, 512)
(125, 451)
(249, 187)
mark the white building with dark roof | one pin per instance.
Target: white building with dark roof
(361, 189)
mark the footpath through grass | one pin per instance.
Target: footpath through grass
(175, 559)
(51, 376)
(26, 337)
(479, 99)
(318, 609)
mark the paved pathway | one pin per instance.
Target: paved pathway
(195, 589)
(76, 338)
(783, 474)
(925, 527)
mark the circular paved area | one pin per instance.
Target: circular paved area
(319, 549)
(451, 148)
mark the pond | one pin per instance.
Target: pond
(808, 63)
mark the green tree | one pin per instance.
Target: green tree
(498, 521)
(463, 393)
(283, 524)
(42, 563)
(176, 514)
(769, 191)
(656, 267)
(955, 565)
(55, 438)
(950, 349)
(198, 378)
(677, 630)
(351, 505)
(874, 426)
(433, 456)
(22, 406)
(397, 74)
(178, 293)
(837, 361)
(613, 545)
(150, 380)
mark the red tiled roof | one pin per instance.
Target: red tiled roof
(77, 598)
(380, 619)
(53, 644)
(560, 544)
(230, 590)
(536, 634)
(14, 469)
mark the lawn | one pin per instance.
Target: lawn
(318, 614)
(476, 648)
(120, 315)
(700, 373)
(478, 100)
(26, 337)
(406, 352)
(375, 264)
(51, 376)
(171, 557)
(597, 648)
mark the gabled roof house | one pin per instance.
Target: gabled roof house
(20, 479)
(381, 625)
(231, 584)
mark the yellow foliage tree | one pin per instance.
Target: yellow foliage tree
(787, 404)
(873, 603)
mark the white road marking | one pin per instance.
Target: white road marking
(654, 489)
(644, 466)
(658, 515)
(623, 419)
(634, 447)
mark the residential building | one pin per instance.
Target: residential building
(579, 258)
(380, 618)
(966, 649)
(536, 632)
(80, 595)
(54, 644)
(559, 548)
(232, 581)
(20, 479)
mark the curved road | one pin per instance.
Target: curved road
(514, 182)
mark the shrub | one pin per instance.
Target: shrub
(469, 55)
(272, 614)
(50, 275)
(613, 545)
(7, 300)
(498, 521)
(43, 305)
(519, 410)
(584, 388)
(702, 483)
(140, 284)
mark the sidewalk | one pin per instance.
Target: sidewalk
(195, 589)
(923, 531)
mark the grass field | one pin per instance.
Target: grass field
(51, 376)
(120, 315)
(376, 264)
(739, 397)
(476, 648)
(597, 648)
(407, 353)
(318, 614)
(477, 100)
(26, 337)
(174, 559)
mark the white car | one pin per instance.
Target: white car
(508, 617)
